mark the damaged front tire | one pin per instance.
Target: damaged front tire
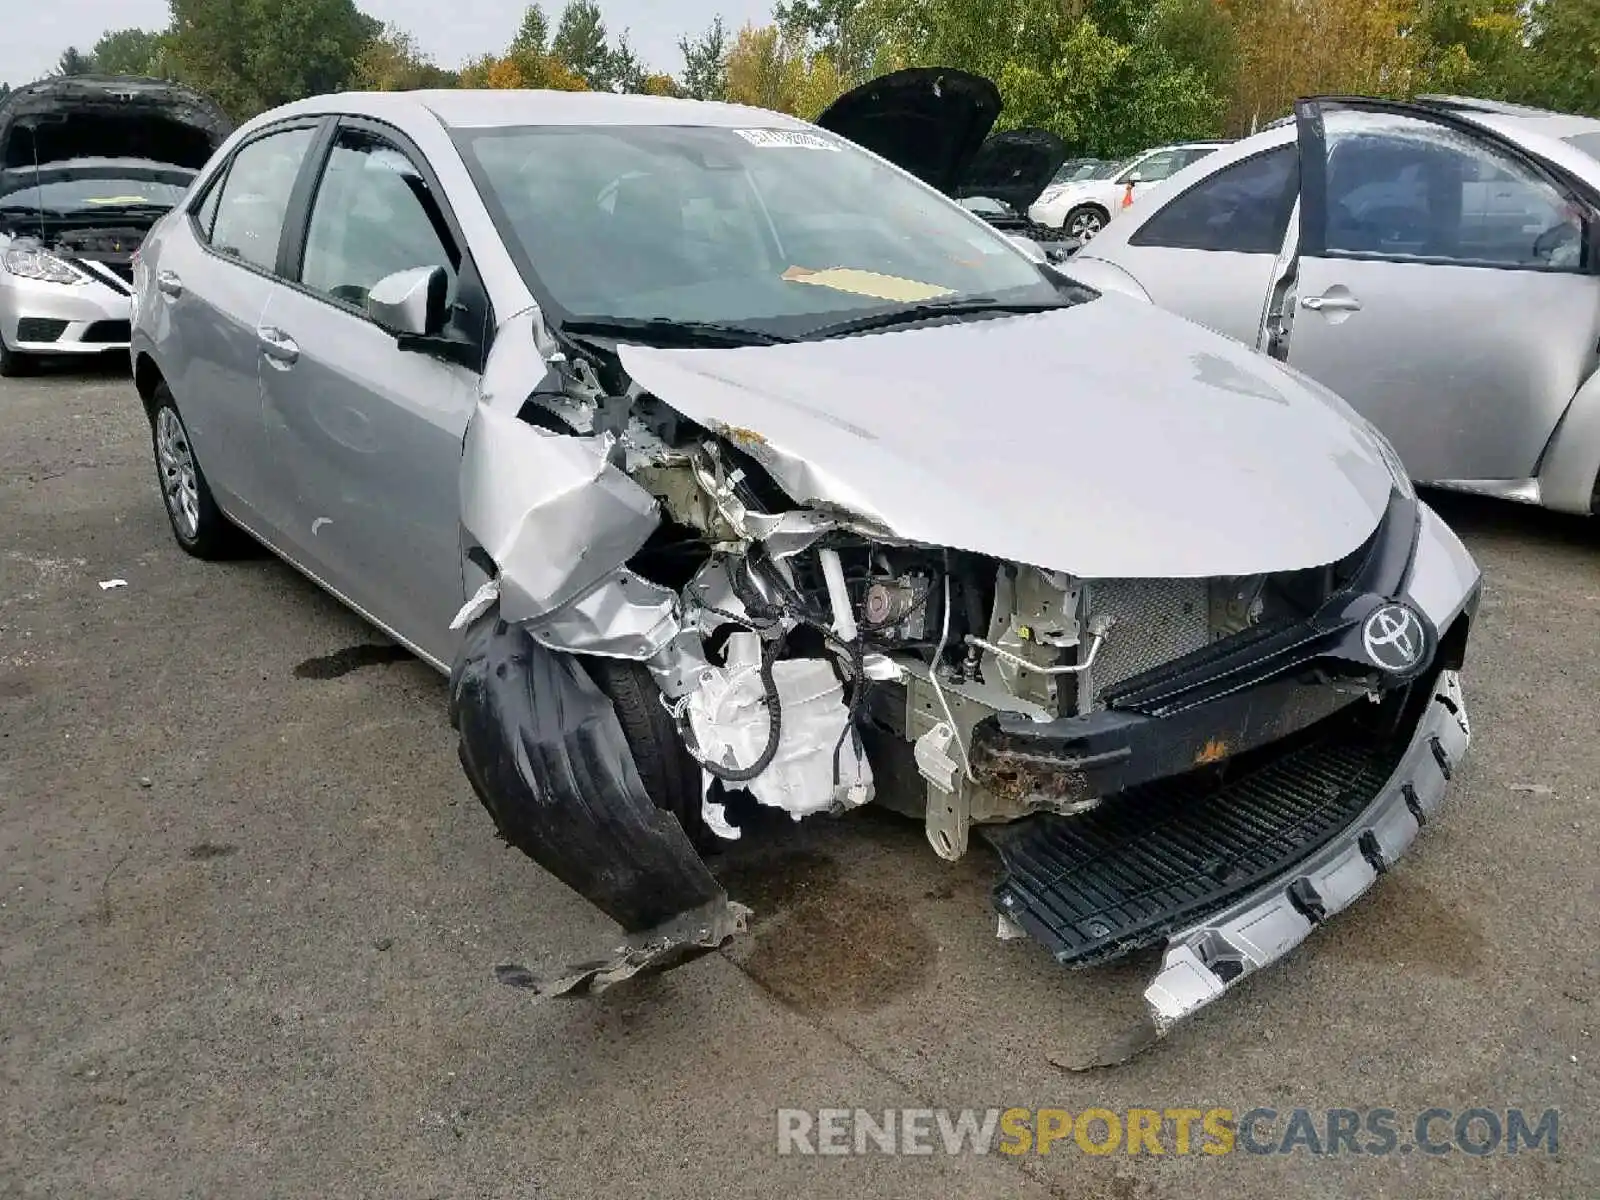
(669, 772)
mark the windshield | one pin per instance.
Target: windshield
(780, 230)
(1108, 169)
(75, 196)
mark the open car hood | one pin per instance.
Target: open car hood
(1108, 440)
(930, 121)
(1015, 167)
(106, 116)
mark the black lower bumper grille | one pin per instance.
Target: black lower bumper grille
(1156, 858)
(109, 332)
(40, 329)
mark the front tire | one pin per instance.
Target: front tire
(13, 364)
(1085, 221)
(197, 523)
(671, 776)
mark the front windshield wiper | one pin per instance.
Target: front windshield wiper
(29, 210)
(664, 331)
(932, 309)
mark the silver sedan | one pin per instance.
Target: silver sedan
(730, 468)
(1435, 263)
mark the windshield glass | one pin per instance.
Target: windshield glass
(88, 195)
(774, 229)
(1108, 169)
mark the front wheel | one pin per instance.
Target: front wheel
(197, 522)
(1084, 222)
(13, 364)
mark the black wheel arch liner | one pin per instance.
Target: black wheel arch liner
(546, 755)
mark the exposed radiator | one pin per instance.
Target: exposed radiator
(1153, 621)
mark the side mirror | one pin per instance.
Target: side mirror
(411, 303)
(1133, 177)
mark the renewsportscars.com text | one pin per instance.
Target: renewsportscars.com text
(1168, 1131)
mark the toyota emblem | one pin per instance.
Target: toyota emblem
(1394, 638)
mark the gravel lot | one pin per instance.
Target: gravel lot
(250, 910)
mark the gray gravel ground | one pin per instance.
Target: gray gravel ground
(249, 911)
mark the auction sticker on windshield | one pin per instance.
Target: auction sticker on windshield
(773, 139)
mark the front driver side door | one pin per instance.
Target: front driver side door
(367, 436)
(1441, 287)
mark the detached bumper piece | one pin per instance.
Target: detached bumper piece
(546, 755)
(1230, 877)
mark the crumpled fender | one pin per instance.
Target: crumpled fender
(547, 757)
(551, 510)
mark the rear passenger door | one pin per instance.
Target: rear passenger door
(211, 288)
(366, 436)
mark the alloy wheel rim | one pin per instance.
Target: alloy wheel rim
(1085, 225)
(179, 483)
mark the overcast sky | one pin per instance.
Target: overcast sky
(34, 32)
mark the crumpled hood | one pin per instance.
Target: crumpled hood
(106, 116)
(930, 121)
(1107, 440)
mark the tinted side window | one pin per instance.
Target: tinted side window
(1244, 208)
(1407, 188)
(374, 215)
(255, 197)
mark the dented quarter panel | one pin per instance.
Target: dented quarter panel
(1106, 439)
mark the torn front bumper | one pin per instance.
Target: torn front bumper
(1229, 871)
(1205, 959)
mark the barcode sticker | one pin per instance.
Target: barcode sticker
(794, 139)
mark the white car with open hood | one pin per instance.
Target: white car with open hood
(726, 465)
(88, 163)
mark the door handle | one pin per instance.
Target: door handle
(169, 284)
(1331, 303)
(278, 346)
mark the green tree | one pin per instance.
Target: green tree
(74, 62)
(127, 52)
(705, 62)
(251, 55)
(842, 29)
(581, 44)
(625, 70)
(1562, 70)
(533, 35)
(393, 62)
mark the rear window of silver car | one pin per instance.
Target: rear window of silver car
(718, 224)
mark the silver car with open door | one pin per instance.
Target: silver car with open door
(1436, 263)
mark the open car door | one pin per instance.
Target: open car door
(1444, 284)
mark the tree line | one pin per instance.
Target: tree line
(1110, 76)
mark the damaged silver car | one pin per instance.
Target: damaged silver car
(734, 469)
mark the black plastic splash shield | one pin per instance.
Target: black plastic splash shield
(1152, 859)
(546, 755)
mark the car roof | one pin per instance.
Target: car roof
(497, 108)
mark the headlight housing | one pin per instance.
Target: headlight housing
(31, 263)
